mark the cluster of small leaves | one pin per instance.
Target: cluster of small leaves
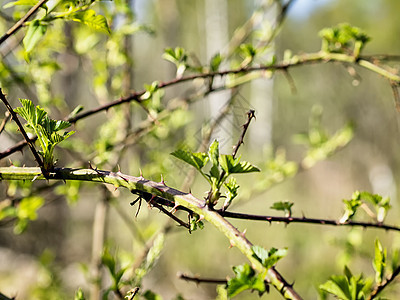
(245, 279)
(24, 211)
(179, 57)
(45, 128)
(284, 206)
(320, 144)
(245, 276)
(347, 286)
(380, 204)
(222, 167)
(350, 287)
(340, 39)
(78, 11)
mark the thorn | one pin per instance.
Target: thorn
(119, 168)
(231, 244)
(174, 209)
(141, 173)
(11, 164)
(122, 177)
(243, 234)
(34, 178)
(90, 165)
(162, 180)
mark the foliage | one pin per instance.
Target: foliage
(45, 128)
(142, 126)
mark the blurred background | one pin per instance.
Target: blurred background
(56, 253)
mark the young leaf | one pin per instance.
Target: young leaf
(379, 262)
(232, 188)
(89, 18)
(268, 258)
(350, 206)
(20, 2)
(233, 165)
(283, 206)
(79, 295)
(197, 160)
(347, 287)
(35, 32)
(215, 62)
(245, 279)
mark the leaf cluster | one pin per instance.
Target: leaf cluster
(222, 166)
(45, 128)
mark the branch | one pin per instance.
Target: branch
(295, 61)
(288, 220)
(198, 280)
(21, 22)
(380, 287)
(140, 185)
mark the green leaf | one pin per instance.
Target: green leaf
(149, 295)
(379, 262)
(21, 2)
(197, 160)
(109, 261)
(89, 18)
(232, 188)
(215, 62)
(213, 153)
(283, 206)
(245, 279)
(233, 165)
(268, 258)
(350, 206)
(27, 211)
(79, 295)
(35, 32)
(347, 286)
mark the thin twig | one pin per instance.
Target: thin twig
(198, 280)
(7, 116)
(250, 115)
(21, 128)
(379, 288)
(21, 22)
(288, 220)
(300, 60)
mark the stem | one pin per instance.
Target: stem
(21, 22)
(187, 200)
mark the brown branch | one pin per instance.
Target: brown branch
(4, 122)
(21, 22)
(21, 128)
(250, 115)
(310, 58)
(379, 288)
(288, 220)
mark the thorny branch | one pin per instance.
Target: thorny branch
(142, 186)
(305, 59)
(379, 288)
(288, 220)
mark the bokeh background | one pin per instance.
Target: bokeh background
(53, 256)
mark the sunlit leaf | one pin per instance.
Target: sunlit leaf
(91, 19)
(35, 32)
